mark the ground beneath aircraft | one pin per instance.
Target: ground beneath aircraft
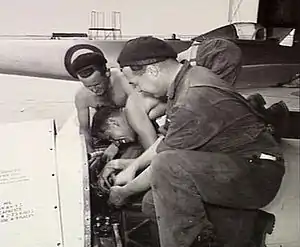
(28, 98)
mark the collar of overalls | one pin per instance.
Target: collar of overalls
(178, 79)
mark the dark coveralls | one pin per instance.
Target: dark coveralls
(207, 156)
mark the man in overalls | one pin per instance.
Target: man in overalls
(216, 148)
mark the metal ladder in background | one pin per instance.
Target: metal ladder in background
(105, 26)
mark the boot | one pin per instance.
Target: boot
(258, 102)
(264, 224)
(278, 116)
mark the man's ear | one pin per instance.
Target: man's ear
(152, 70)
(102, 136)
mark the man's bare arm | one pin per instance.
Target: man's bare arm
(119, 194)
(157, 111)
(141, 183)
(139, 120)
(83, 115)
(144, 160)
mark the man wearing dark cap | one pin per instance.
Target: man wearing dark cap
(104, 86)
(216, 148)
(220, 56)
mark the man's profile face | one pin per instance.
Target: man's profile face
(93, 80)
(144, 82)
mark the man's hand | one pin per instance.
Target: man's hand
(94, 157)
(110, 170)
(110, 152)
(125, 176)
(117, 196)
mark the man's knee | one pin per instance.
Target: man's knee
(162, 160)
(148, 207)
(163, 164)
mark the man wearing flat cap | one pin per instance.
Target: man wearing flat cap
(215, 147)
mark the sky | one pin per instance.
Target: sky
(138, 17)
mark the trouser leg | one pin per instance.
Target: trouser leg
(182, 180)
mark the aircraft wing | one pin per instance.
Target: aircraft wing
(46, 58)
(51, 58)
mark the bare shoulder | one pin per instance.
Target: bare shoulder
(137, 99)
(119, 80)
(116, 72)
(85, 98)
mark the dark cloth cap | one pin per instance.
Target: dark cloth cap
(222, 57)
(92, 58)
(144, 51)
